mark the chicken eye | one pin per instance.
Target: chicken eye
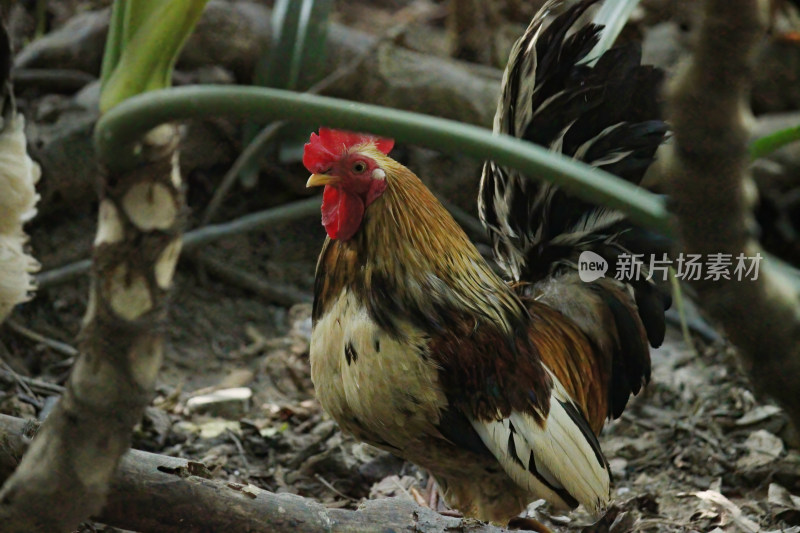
(359, 167)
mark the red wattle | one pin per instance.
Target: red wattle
(342, 213)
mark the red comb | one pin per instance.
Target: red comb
(324, 149)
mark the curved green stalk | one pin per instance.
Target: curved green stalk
(119, 130)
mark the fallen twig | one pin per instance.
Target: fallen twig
(36, 385)
(54, 80)
(15, 377)
(61, 347)
(333, 489)
(272, 292)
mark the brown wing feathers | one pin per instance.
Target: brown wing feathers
(489, 373)
(567, 352)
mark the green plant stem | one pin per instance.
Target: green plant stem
(119, 130)
(769, 143)
(245, 159)
(136, 16)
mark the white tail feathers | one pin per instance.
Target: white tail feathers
(559, 461)
(18, 197)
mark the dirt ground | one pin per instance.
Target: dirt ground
(696, 451)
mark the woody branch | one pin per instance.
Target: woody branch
(64, 477)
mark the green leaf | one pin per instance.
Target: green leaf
(295, 61)
(136, 15)
(114, 41)
(309, 54)
(276, 70)
(769, 143)
(154, 32)
(298, 45)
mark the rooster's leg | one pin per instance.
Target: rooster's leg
(431, 499)
(433, 494)
(434, 501)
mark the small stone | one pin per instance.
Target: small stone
(227, 403)
(214, 428)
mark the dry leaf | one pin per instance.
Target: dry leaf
(758, 414)
(763, 447)
(392, 486)
(718, 500)
(786, 505)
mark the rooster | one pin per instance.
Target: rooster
(497, 387)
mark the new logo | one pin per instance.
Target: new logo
(591, 266)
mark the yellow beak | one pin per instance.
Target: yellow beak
(317, 180)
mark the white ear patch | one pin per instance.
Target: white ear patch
(378, 174)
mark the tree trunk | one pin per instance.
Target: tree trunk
(707, 169)
(65, 475)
